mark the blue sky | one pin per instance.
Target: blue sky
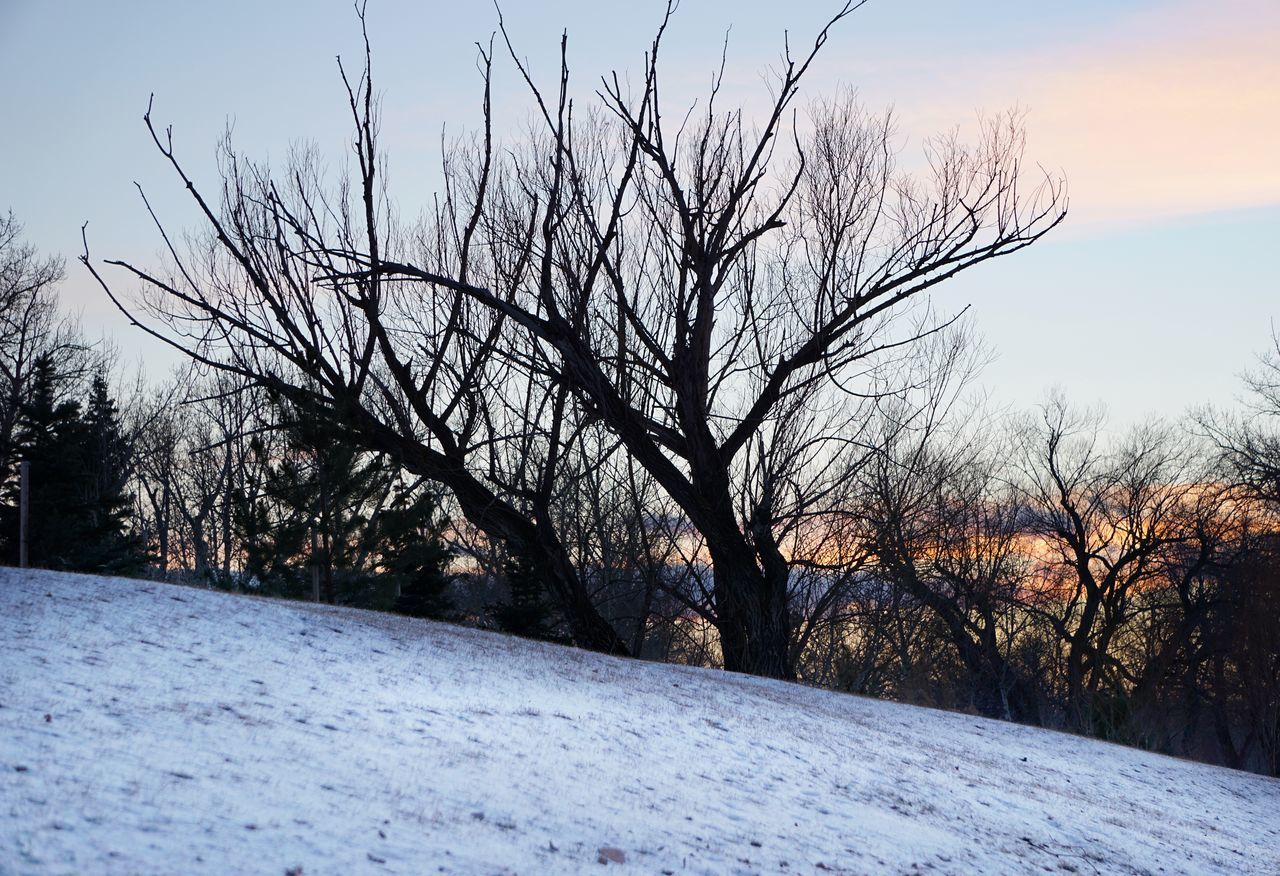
(1165, 117)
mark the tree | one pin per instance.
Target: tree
(162, 455)
(317, 509)
(193, 458)
(28, 319)
(1109, 523)
(947, 532)
(1243, 627)
(709, 322)
(713, 297)
(1249, 445)
(108, 454)
(327, 508)
(1243, 660)
(32, 327)
(47, 436)
(414, 554)
(526, 611)
(78, 510)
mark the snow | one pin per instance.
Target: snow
(150, 728)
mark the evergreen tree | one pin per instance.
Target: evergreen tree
(107, 457)
(274, 528)
(414, 555)
(375, 546)
(322, 489)
(79, 466)
(528, 612)
(47, 439)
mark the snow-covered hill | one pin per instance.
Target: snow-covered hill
(147, 728)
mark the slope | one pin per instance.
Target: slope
(147, 728)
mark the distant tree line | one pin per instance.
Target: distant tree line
(667, 385)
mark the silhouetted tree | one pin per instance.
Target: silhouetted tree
(78, 509)
(317, 509)
(712, 297)
(526, 612)
(414, 555)
(947, 532)
(30, 326)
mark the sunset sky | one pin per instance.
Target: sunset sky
(1164, 116)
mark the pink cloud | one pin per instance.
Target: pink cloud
(1173, 115)
(1167, 112)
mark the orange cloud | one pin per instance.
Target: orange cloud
(1181, 124)
(1169, 112)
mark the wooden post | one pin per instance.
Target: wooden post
(24, 503)
(315, 566)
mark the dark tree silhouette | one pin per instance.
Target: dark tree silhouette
(721, 300)
(80, 466)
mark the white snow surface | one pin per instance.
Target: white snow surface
(150, 728)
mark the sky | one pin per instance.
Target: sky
(1164, 115)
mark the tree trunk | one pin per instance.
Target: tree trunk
(496, 518)
(751, 612)
(589, 629)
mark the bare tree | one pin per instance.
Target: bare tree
(723, 300)
(31, 326)
(1242, 627)
(413, 376)
(1248, 443)
(713, 294)
(1107, 521)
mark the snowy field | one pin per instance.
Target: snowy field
(147, 728)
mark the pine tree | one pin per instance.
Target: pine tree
(47, 439)
(528, 612)
(107, 456)
(376, 542)
(344, 486)
(79, 464)
(414, 555)
(274, 527)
